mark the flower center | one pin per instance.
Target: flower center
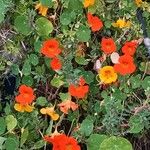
(50, 49)
(26, 95)
(69, 147)
(107, 73)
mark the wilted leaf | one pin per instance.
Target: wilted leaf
(24, 136)
(38, 144)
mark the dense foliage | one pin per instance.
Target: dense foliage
(74, 74)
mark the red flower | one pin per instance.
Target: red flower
(50, 48)
(79, 90)
(108, 45)
(56, 64)
(126, 65)
(129, 48)
(94, 22)
(63, 142)
(26, 95)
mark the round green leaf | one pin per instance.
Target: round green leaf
(75, 5)
(26, 70)
(37, 46)
(47, 3)
(83, 33)
(57, 81)
(11, 122)
(34, 60)
(22, 25)
(81, 60)
(136, 124)
(10, 144)
(94, 141)
(64, 96)
(44, 26)
(88, 76)
(135, 81)
(2, 125)
(27, 80)
(65, 18)
(146, 83)
(41, 101)
(87, 126)
(116, 143)
(15, 69)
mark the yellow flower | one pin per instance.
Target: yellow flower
(121, 23)
(50, 112)
(107, 75)
(88, 3)
(23, 108)
(138, 2)
(42, 9)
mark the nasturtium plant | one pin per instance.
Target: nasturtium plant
(83, 33)
(136, 124)
(23, 25)
(74, 74)
(87, 126)
(48, 3)
(2, 125)
(116, 143)
(95, 140)
(11, 122)
(43, 26)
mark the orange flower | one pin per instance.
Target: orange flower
(121, 23)
(42, 9)
(108, 45)
(26, 95)
(79, 90)
(88, 3)
(107, 75)
(126, 65)
(24, 99)
(66, 105)
(139, 2)
(23, 108)
(129, 48)
(56, 64)
(94, 22)
(50, 48)
(50, 112)
(63, 142)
